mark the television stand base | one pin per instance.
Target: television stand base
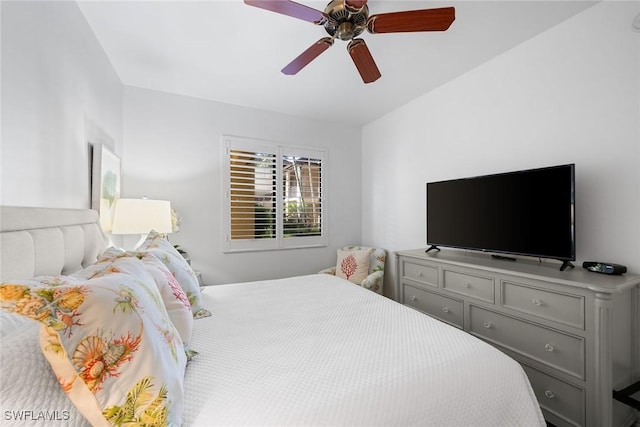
(507, 258)
(626, 395)
(431, 248)
(566, 264)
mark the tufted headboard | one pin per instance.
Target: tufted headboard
(47, 241)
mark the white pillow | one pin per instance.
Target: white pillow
(10, 324)
(29, 388)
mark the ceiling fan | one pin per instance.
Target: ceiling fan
(346, 20)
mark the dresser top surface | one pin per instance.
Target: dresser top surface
(577, 277)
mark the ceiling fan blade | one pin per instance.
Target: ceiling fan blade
(307, 56)
(364, 61)
(412, 20)
(355, 6)
(291, 8)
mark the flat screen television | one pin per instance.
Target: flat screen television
(527, 212)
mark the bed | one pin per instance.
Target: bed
(309, 350)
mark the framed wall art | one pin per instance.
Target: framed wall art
(105, 184)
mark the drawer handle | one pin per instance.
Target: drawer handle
(445, 309)
(466, 285)
(549, 394)
(487, 325)
(548, 347)
(412, 297)
(537, 302)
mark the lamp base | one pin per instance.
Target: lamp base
(143, 237)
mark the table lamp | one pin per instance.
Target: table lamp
(140, 216)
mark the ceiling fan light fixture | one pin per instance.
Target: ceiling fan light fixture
(344, 22)
(346, 31)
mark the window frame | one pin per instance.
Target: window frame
(279, 242)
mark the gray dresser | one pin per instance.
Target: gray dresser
(574, 332)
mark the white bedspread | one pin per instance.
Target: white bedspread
(318, 350)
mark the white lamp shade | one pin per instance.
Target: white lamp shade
(140, 216)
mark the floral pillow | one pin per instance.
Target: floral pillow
(177, 265)
(353, 265)
(174, 298)
(109, 341)
(105, 260)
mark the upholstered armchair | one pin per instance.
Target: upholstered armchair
(374, 279)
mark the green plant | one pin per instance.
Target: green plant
(264, 219)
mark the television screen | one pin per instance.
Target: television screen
(529, 212)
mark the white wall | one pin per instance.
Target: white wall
(569, 95)
(59, 93)
(173, 152)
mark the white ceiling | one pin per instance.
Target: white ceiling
(230, 52)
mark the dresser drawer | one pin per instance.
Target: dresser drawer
(443, 308)
(421, 273)
(553, 348)
(558, 307)
(478, 287)
(557, 397)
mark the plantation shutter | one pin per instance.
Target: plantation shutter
(302, 195)
(273, 196)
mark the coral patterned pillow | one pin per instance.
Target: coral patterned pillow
(109, 341)
(177, 265)
(174, 298)
(353, 265)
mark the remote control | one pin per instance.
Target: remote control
(604, 267)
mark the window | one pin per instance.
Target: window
(273, 196)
